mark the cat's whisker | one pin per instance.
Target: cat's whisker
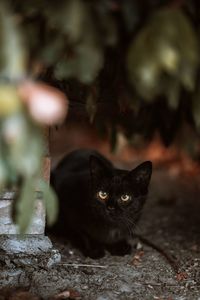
(128, 225)
(130, 230)
(131, 225)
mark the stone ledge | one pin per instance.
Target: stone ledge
(18, 269)
(28, 252)
(29, 244)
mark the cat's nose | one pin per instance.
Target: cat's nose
(111, 207)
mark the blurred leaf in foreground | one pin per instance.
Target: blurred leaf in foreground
(166, 47)
(84, 63)
(13, 54)
(22, 147)
(69, 17)
(196, 108)
(50, 201)
(9, 100)
(25, 205)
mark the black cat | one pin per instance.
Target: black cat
(99, 204)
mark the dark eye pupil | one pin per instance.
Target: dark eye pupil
(125, 197)
(102, 195)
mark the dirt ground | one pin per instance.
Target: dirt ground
(170, 221)
(167, 270)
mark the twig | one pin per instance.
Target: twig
(170, 260)
(82, 265)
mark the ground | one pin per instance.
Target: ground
(170, 221)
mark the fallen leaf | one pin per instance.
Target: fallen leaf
(62, 295)
(181, 276)
(194, 248)
(68, 294)
(74, 295)
(137, 258)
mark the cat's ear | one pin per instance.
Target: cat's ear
(142, 173)
(98, 169)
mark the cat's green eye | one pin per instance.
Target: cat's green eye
(102, 195)
(125, 198)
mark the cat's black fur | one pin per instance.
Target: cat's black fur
(92, 224)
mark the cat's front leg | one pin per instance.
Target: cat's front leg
(119, 248)
(88, 246)
(93, 249)
(94, 253)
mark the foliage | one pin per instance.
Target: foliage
(132, 65)
(144, 51)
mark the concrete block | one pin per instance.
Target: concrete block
(37, 225)
(29, 244)
(22, 254)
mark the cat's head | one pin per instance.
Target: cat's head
(119, 194)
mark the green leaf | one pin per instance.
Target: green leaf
(130, 13)
(167, 44)
(25, 205)
(91, 104)
(53, 49)
(69, 17)
(50, 201)
(13, 52)
(24, 153)
(107, 26)
(196, 109)
(110, 32)
(3, 174)
(173, 93)
(188, 75)
(83, 65)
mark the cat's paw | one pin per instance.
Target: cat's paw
(95, 253)
(121, 248)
